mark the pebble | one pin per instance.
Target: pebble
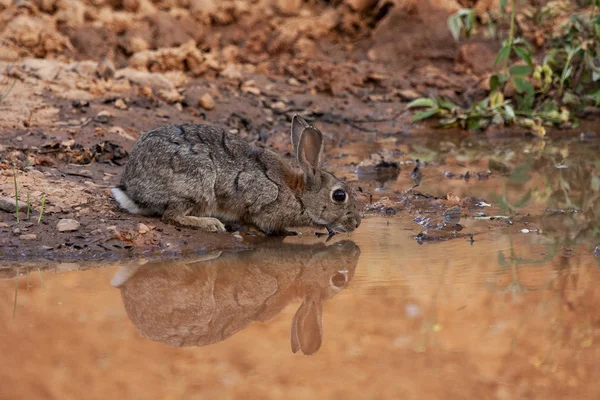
(67, 225)
(103, 117)
(525, 230)
(120, 104)
(237, 236)
(207, 102)
(9, 204)
(279, 106)
(597, 251)
(16, 231)
(19, 138)
(30, 236)
(142, 228)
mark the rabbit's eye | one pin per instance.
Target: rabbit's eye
(339, 195)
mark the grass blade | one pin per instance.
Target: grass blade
(28, 207)
(42, 208)
(16, 194)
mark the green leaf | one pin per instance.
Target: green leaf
(421, 102)
(524, 55)
(502, 54)
(494, 82)
(510, 112)
(424, 114)
(446, 104)
(503, 4)
(455, 26)
(523, 86)
(520, 70)
(524, 200)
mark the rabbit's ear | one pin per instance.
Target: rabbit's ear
(307, 329)
(308, 145)
(298, 125)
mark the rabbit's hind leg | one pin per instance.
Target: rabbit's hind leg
(177, 215)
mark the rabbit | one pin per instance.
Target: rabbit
(205, 301)
(200, 176)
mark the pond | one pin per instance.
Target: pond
(497, 299)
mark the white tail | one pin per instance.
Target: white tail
(124, 201)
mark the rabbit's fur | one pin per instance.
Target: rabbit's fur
(196, 303)
(201, 176)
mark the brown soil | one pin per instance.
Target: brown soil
(90, 77)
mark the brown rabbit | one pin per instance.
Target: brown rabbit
(196, 303)
(201, 176)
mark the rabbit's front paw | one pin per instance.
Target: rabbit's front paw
(208, 224)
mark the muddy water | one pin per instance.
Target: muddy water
(508, 309)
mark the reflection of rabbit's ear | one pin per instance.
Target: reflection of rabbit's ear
(124, 273)
(307, 329)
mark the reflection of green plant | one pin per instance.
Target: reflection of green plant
(512, 264)
(545, 94)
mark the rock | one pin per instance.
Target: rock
(106, 69)
(141, 78)
(142, 228)
(361, 5)
(16, 231)
(289, 7)
(103, 117)
(207, 102)
(237, 236)
(67, 225)
(9, 204)
(30, 236)
(120, 104)
(279, 106)
(409, 94)
(597, 251)
(117, 130)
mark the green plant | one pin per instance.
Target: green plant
(42, 209)
(16, 194)
(546, 94)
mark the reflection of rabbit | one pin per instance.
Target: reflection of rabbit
(200, 175)
(200, 303)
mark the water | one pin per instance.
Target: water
(508, 315)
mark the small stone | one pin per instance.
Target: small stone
(9, 204)
(293, 82)
(30, 236)
(143, 228)
(67, 225)
(46, 248)
(409, 94)
(279, 106)
(103, 117)
(207, 102)
(525, 230)
(120, 104)
(16, 231)
(19, 138)
(237, 236)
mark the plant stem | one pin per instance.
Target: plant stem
(42, 208)
(28, 207)
(511, 32)
(16, 194)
